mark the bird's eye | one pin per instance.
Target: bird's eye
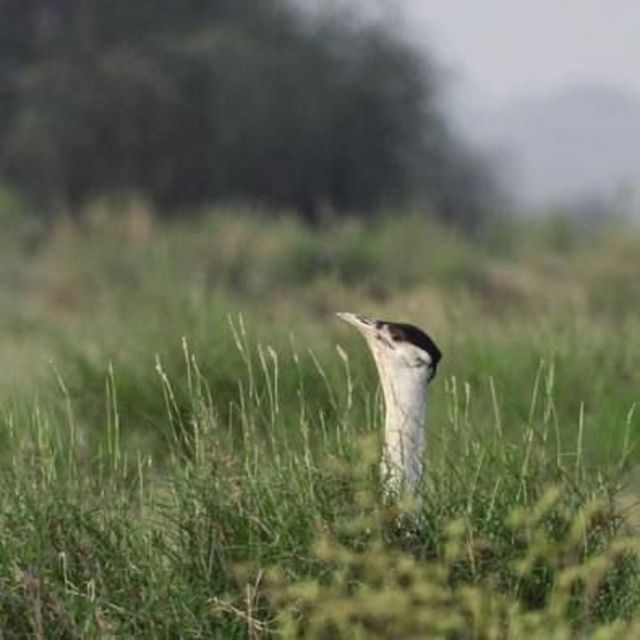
(395, 335)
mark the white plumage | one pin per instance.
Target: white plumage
(407, 360)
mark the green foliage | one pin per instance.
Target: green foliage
(189, 102)
(557, 582)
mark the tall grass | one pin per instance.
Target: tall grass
(260, 521)
(190, 442)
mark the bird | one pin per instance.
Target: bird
(407, 362)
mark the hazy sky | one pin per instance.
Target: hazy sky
(507, 48)
(506, 52)
(553, 84)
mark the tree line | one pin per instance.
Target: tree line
(191, 101)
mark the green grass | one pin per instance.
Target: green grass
(189, 438)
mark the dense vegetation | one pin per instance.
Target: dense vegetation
(185, 103)
(189, 438)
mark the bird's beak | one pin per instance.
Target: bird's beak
(363, 324)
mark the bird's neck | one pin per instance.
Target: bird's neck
(404, 434)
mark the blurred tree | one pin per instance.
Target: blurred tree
(193, 100)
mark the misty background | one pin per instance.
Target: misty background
(551, 88)
(323, 107)
(551, 91)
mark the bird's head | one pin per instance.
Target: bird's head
(397, 347)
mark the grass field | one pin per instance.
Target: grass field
(190, 437)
